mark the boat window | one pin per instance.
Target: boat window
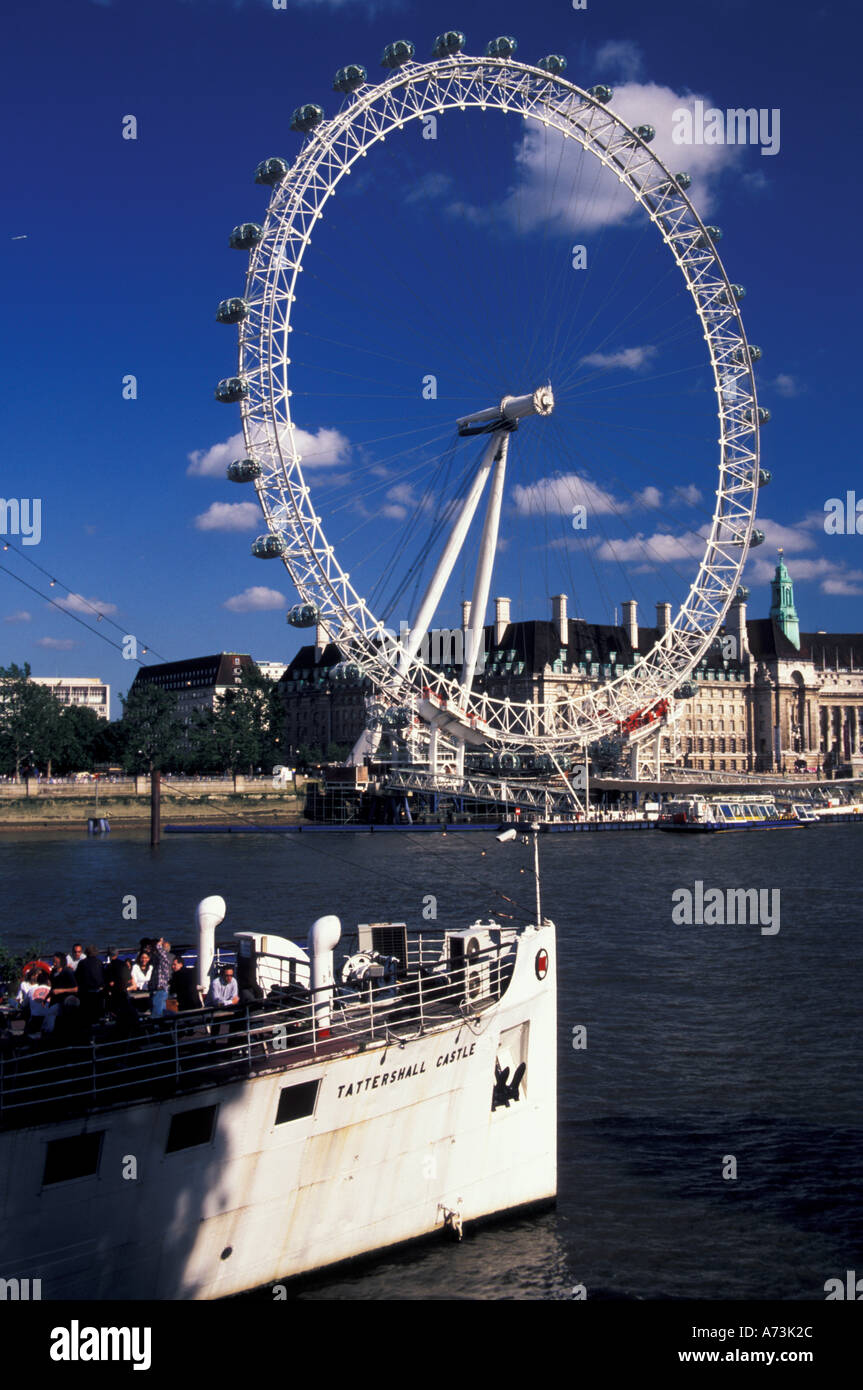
(737, 812)
(297, 1102)
(75, 1157)
(190, 1128)
(726, 810)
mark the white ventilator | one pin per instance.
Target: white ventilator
(209, 914)
(324, 937)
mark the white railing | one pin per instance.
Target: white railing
(202, 1047)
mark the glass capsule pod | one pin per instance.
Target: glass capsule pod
(232, 311)
(646, 133)
(399, 717)
(758, 538)
(543, 763)
(553, 63)
(683, 181)
(346, 673)
(303, 615)
(750, 354)
(243, 471)
(306, 118)
(232, 389)
(762, 415)
(706, 239)
(395, 55)
(245, 236)
(764, 477)
(448, 45)
(507, 762)
(686, 691)
(350, 78)
(271, 171)
(268, 547)
(502, 47)
(601, 93)
(738, 292)
(741, 594)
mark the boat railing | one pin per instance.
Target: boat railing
(41, 1079)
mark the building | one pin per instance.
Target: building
(198, 682)
(765, 697)
(88, 691)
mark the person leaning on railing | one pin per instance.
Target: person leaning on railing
(224, 993)
(160, 978)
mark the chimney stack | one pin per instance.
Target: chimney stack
(740, 629)
(322, 639)
(663, 617)
(630, 622)
(465, 614)
(561, 622)
(501, 619)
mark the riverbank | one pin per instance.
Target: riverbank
(71, 809)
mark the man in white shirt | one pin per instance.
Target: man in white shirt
(224, 993)
(76, 957)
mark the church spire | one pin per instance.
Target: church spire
(782, 608)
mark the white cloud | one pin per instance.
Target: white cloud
(689, 494)
(790, 538)
(652, 550)
(832, 577)
(256, 599)
(559, 496)
(56, 644)
(785, 385)
(649, 497)
(619, 59)
(630, 359)
(546, 176)
(229, 516)
(22, 616)
(429, 188)
(318, 448)
(76, 603)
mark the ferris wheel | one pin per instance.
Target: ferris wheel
(407, 686)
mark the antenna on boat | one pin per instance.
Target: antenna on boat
(511, 835)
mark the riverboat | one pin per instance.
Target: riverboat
(339, 1109)
(702, 815)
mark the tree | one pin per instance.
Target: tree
(151, 729)
(235, 732)
(79, 733)
(29, 723)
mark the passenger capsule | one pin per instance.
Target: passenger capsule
(271, 171)
(762, 415)
(232, 311)
(346, 673)
(231, 390)
(543, 763)
(349, 79)
(268, 547)
(741, 594)
(306, 118)
(757, 538)
(395, 55)
(502, 47)
(553, 63)
(686, 691)
(303, 615)
(744, 355)
(765, 477)
(738, 292)
(507, 762)
(601, 93)
(399, 717)
(683, 181)
(243, 471)
(706, 238)
(246, 236)
(448, 45)
(646, 133)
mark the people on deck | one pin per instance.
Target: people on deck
(160, 978)
(90, 979)
(74, 960)
(184, 986)
(142, 969)
(224, 993)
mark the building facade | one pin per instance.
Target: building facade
(765, 697)
(87, 691)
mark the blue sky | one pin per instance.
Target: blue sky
(114, 257)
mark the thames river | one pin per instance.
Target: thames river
(704, 1044)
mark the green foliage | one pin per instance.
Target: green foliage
(13, 960)
(151, 729)
(29, 723)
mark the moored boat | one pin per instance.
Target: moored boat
(711, 815)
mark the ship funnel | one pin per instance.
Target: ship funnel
(324, 937)
(209, 913)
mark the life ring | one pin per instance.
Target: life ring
(38, 964)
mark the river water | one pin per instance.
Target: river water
(707, 1047)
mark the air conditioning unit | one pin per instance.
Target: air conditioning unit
(387, 938)
(471, 956)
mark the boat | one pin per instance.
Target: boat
(342, 1108)
(705, 815)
